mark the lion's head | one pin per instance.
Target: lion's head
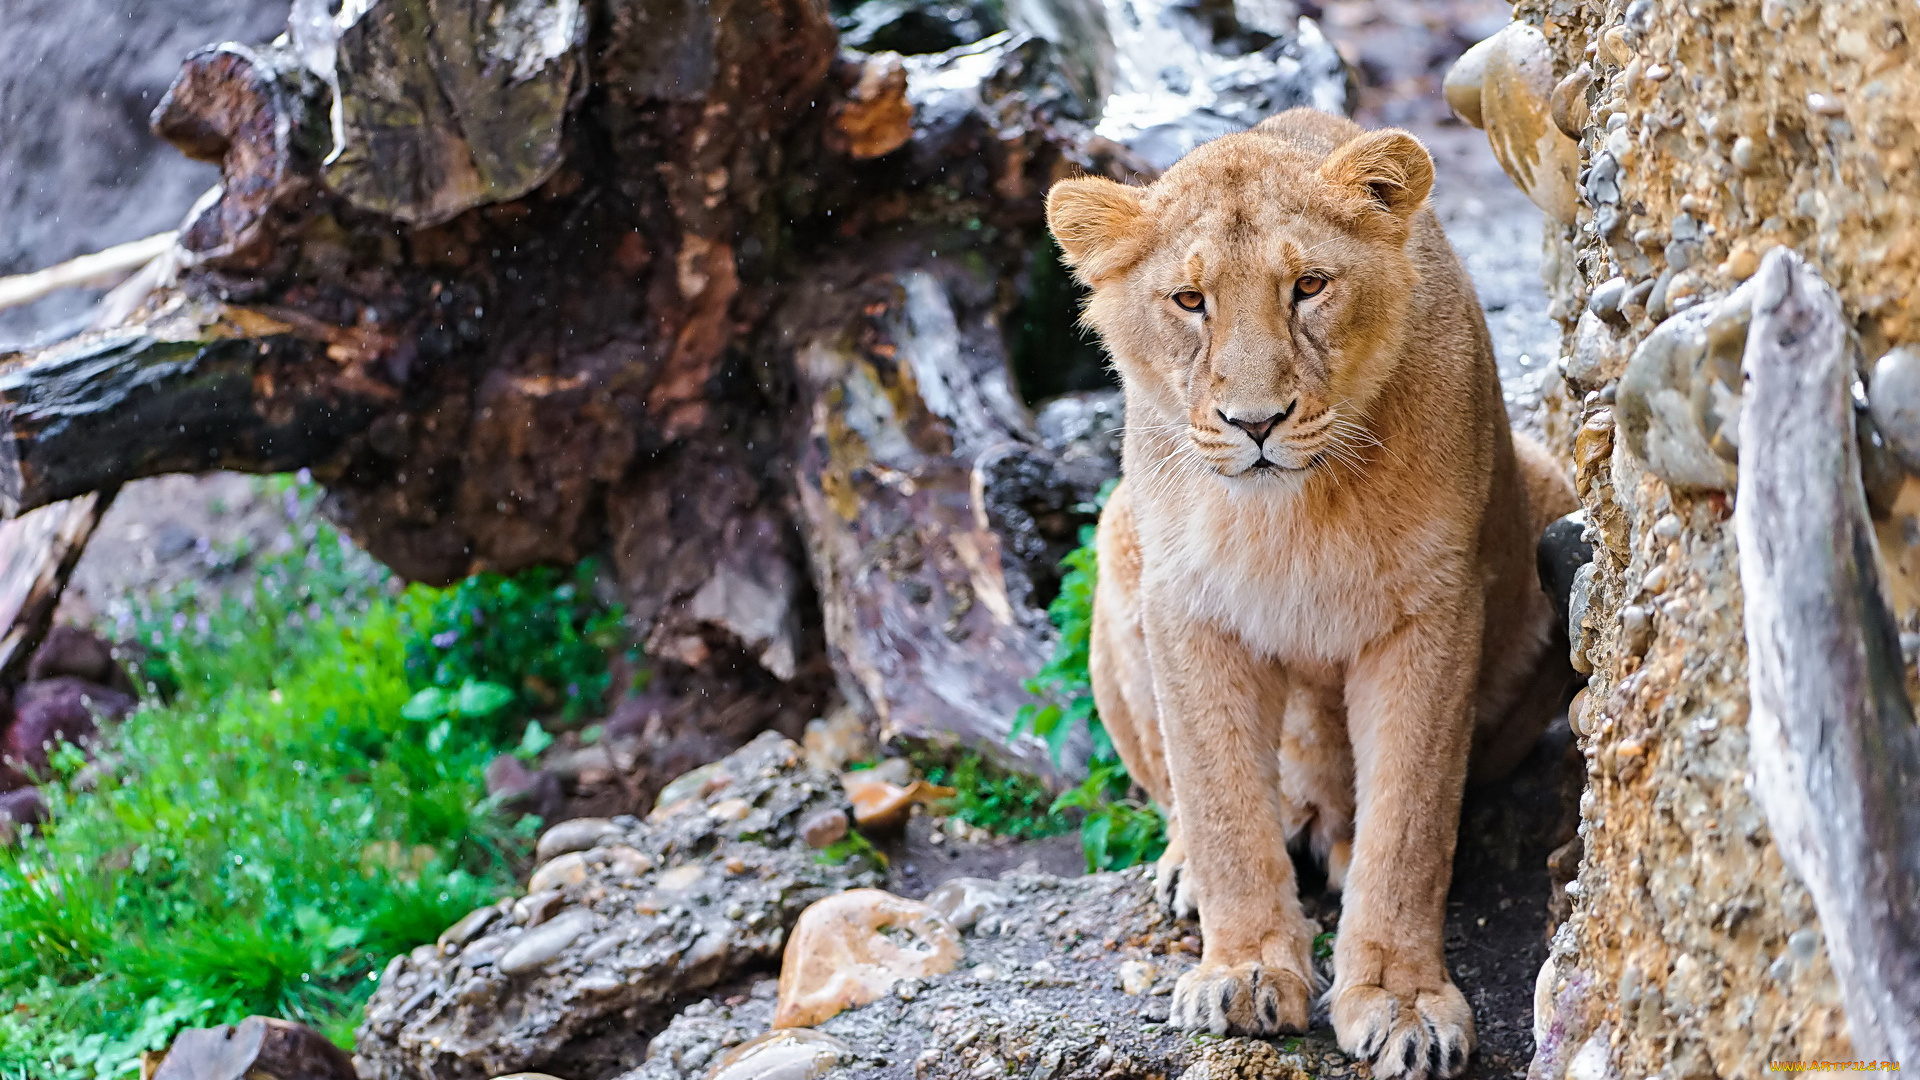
(1255, 296)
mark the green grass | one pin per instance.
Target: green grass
(276, 822)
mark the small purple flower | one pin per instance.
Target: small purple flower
(445, 639)
(179, 621)
(292, 501)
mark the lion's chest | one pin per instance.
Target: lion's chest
(1291, 589)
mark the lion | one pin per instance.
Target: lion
(1316, 599)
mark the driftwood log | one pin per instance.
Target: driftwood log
(758, 315)
(1836, 752)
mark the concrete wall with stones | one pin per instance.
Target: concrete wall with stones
(1708, 132)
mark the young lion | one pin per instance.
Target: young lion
(1317, 592)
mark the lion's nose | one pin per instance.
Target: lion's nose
(1259, 429)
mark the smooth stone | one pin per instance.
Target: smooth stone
(1607, 297)
(964, 900)
(851, 948)
(537, 907)
(627, 861)
(1463, 81)
(568, 869)
(533, 952)
(825, 828)
(576, 835)
(697, 784)
(469, 926)
(1136, 977)
(782, 1054)
(1516, 107)
(1893, 400)
(1679, 399)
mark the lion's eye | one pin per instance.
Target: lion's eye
(1308, 286)
(1189, 300)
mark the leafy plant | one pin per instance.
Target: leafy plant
(1116, 831)
(996, 800)
(539, 634)
(292, 812)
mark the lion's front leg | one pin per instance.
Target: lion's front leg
(1220, 711)
(1408, 713)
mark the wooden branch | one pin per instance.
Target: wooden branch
(37, 555)
(99, 268)
(1835, 751)
(92, 413)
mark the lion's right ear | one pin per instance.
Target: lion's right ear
(1097, 223)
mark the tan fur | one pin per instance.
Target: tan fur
(1310, 650)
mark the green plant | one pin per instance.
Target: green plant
(991, 798)
(291, 813)
(1116, 831)
(852, 846)
(541, 634)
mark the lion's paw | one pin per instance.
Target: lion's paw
(1430, 1035)
(1240, 999)
(1173, 885)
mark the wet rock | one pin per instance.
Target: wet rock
(576, 835)
(1515, 106)
(1894, 401)
(469, 926)
(532, 952)
(78, 652)
(1562, 551)
(568, 869)
(786, 1054)
(1679, 399)
(824, 829)
(916, 28)
(258, 1048)
(63, 709)
(719, 898)
(849, 950)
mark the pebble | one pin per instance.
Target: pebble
(626, 861)
(964, 900)
(1893, 400)
(533, 952)
(825, 828)
(1463, 81)
(782, 1054)
(681, 878)
(568, 869)
(1606, 298)
(836, 741)
(851, 948)
(469, 926)
(1636, 630)
(1136, 977)
(576, 835)
(696, 784)
(537, 907)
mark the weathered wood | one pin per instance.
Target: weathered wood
(98, 268)
(906, 393)
(1835, 750)
(94, 412)
(38, 552)
(520, 308)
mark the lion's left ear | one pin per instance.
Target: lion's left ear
(1390, 168)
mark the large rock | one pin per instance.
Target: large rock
(574, 977)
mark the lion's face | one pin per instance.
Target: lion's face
(1253, 296)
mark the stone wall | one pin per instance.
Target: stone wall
(1708, 131)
